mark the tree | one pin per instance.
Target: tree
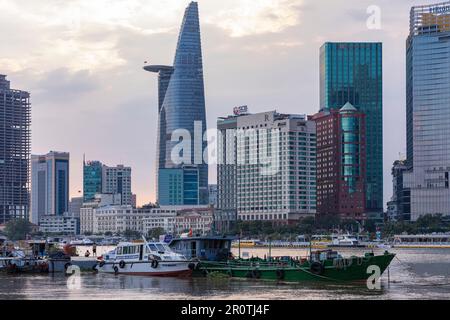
(130, 234)
(17, 229)
(155, 233)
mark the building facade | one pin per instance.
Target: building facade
(179, 186)
(212, 191)
(65, 224)
(427, 110)
(15, 146)
(75, 205)
(87, 210)
(225, 215)
(275, 173)
(117, 180)
(399, 207)
(341, 163)
(352, 72)
(181, 104)
(49, 185)
(92, 179)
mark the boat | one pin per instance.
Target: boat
(321, 265)
(344, 240)
(210, 248)
(82, 242)
(422, 241)
(145, 258)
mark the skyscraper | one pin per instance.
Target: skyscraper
(352, 72)
(49, 185)
(181, 104)
(428, 110)
(15, 144)
(92, 179)
(341, 162)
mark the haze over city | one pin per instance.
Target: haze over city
(82, 63)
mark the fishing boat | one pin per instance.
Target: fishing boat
(322, 265)
(211, 248)
(145, 258)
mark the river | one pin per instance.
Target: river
(413, 274)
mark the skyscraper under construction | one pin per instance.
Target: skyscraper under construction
(15, 144)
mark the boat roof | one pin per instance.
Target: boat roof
(226, 238)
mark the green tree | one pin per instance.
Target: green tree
(17, 229)
(131, 234)
(155, 233)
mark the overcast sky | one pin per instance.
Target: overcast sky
(82, 62)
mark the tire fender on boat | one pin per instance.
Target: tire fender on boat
(256, 273)
(154, 264)
(116, 270)
(122, 264)
(67, 265)
(280, 274)
(317, 268)
(191, 266)
(102, 263)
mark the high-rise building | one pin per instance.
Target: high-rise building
(274, 177)
(15, 144)
(181, 104)
(212, 190)
(49, 185)
(427, 110)
(341, 162)
(92, 179)
(352, 72)
(399, 207)
(179, 186)
(75, 205)
(117, 180)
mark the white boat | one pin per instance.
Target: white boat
(429, 241)
(145, 258)
(82, 242)
(345, 240)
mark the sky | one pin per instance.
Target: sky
(82, 61)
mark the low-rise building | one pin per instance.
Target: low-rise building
(87, 210)
(60, 224)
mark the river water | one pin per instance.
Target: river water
(413, 274)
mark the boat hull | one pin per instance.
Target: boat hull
(352, 269)
(163, 269)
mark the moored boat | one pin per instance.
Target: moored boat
(326, 265)
(145, 258)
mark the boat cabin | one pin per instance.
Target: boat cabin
(141, 251)
(203, 248)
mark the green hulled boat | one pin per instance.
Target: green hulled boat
(325, 265)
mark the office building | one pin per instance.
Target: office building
(427, 110)
(15, 145)
(87, 210)
(92, 179)
(65, 224)
(118, 180)
(341, 163)
(49, 185)
(181, 106)
(352, 72)
(179, 186)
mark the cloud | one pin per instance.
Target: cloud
(249, 17)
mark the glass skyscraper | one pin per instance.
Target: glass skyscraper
(92, 179)
(428, 110)
(352, 72)
(49, 185)
(181, 102)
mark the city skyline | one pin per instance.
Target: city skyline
(102, 86)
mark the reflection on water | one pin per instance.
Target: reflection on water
(416, 273)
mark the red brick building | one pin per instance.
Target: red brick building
(341, 162)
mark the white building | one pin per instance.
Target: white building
(87, 210)
(59, 224)
(118, 180)
(267, 166)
